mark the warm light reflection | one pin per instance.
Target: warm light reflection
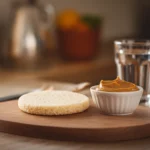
(30, 44)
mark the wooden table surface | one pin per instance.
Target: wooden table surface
(13, 142)
(102, 67)
(74, 72)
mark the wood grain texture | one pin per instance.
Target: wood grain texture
(87, 126)
(14, 142)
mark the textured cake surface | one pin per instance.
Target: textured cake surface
(53, 103)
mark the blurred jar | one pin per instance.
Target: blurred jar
(78, 36)
(29, 38)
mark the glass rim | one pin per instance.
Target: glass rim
(133, 42)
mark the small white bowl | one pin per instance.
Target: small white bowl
(116, 103)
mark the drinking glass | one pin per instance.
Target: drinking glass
(132, 58)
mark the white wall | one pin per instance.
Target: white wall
(120, 16)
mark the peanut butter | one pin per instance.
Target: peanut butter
(117, 85)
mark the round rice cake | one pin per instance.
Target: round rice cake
(53, 103)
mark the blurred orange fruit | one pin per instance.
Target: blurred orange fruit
(68, 19)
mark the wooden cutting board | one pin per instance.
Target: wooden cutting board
(87, 126)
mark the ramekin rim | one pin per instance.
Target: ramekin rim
(131, 92)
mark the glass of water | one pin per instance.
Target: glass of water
(132, 59)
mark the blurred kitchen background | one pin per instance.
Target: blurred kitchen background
(68, 40)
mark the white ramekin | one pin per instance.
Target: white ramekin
(116, 103)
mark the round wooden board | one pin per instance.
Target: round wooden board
(87, 126)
